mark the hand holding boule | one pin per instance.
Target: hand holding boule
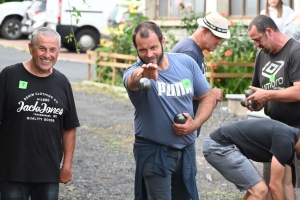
(144, 84)
(252, 104)
(179, 119)
(249, 93)
(243, 102)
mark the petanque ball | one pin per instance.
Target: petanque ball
(250, 103)
(249, 92)
(179, 119)
(144, 84)
(243, 102)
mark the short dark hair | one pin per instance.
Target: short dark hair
(143, 30)
(262, 22)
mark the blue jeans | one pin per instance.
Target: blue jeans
(22, 191)
(170, 187)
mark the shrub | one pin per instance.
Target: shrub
(239, 48)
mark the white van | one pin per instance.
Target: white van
(11, 15)
(87, 31)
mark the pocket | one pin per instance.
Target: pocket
(206, 147)
(225, 150)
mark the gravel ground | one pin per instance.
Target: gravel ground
(103, 164)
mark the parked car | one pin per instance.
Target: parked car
(11, 15)
(88, 28)
(115, 21)
(34, 17)
(121, 12)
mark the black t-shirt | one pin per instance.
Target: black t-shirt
(279, 71)
(259, 139)
(33, 113)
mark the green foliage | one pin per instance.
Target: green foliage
(121, 41)
(189, 18)
(239, 48)
(3, 1)
(76, 14)
(71, 36)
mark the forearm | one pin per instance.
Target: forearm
(277, 194)
(133, 79)
(276, 188)
(68, 143)
(289, 192)
(290, 94)
(205, 109)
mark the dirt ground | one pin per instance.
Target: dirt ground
(103, 165)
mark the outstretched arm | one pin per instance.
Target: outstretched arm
(146, 70)
(68, 143)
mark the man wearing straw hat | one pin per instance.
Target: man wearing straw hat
(212, 29)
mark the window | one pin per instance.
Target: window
(250, 8)
(167, 9)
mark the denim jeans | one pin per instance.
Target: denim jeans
(22, 191)
(170, 187)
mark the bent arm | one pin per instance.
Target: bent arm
(290, 94)
(68, 143)
(205, 109)
(207, 103)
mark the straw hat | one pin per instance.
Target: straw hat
(216, 23)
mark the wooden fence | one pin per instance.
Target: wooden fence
(212, 74)
(115, 60)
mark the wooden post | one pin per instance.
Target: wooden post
(89, 65)
(100, 67)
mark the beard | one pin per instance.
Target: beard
(159, 58)
(266, 51)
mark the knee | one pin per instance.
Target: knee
(259, 191)
(262, 191)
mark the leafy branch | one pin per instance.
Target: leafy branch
(74, 13)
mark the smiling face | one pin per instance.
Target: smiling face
(44, 54)
(150, 49)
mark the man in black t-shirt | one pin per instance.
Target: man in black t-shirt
(38, 123)
(229, 148)
(276, 79)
